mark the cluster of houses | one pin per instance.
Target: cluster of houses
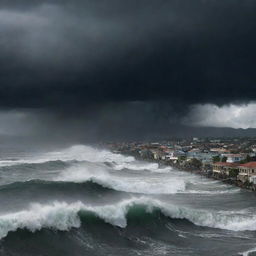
(235, 159)
(245, 172)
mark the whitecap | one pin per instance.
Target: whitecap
(146, 185)
(63, 216)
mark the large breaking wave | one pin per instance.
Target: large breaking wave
(63, 216)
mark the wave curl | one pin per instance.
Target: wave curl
(63, 216)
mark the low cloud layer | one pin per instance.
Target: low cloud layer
(126, 121)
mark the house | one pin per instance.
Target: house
(157, 154)
(202, 156)
(215, 141)
(146, 153)
(252, 179)
(174, 155)
(247, 172)
(234, 158)
(220, 150)
(223, 168)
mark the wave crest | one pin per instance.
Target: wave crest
(76, 152)
(82, 173)
(63, 216)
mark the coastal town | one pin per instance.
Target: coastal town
(232, 160)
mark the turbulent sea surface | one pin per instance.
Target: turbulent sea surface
(85, 201)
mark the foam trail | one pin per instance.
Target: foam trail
(146, 185)
(141, 166)
(247, 253)
(87, 153)
(77, 152)
(214, 192)
(63, 216)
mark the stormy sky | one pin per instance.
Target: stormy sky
(126, 69)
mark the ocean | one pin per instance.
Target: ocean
(86, 201)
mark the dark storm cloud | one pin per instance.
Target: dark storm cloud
(110, 121)
(79, 53)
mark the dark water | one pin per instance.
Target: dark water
(84, 201)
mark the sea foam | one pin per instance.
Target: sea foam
(76, 152)
(63, 216)
(145, 184)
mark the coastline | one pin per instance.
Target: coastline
(198, 171)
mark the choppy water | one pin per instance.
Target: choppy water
(85, 201)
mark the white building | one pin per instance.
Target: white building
(234, 158)
(174, 155)
(252, 179)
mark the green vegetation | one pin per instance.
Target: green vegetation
(181, 159)
(195, 163)
(224, 159)
(248, 183)
(233, 172)
(216, 159)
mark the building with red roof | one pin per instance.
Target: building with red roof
(247, 172)
(223, 167)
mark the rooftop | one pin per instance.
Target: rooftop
(225, 164)
(234, 155)
(248, 165)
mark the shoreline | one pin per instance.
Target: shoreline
(197, 171)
